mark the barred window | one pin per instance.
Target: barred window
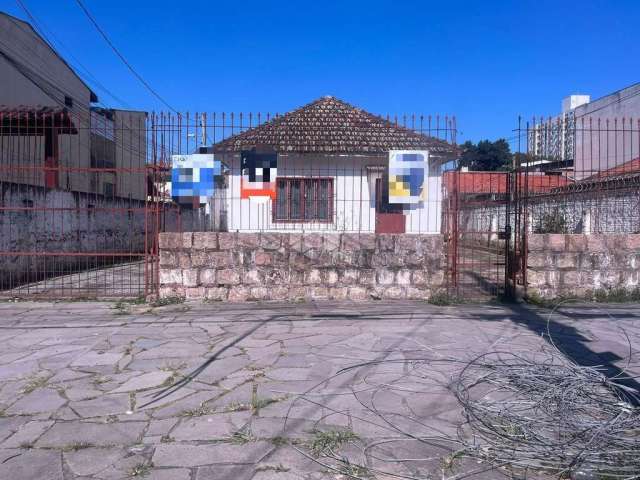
(303, 200)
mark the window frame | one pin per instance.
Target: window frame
(302, 219)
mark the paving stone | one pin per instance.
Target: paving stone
(100, 434)
(32, 465)
(112, 404)
(40, 400)
(170, 474)
(27, 434)
(225, 472)
(210, 427)
(89, 461)
(174, 455)
(143, 382)
(96, 359)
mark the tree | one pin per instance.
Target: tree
(486, 155)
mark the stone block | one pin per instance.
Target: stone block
(228, 276)
(311, 241)
(313, 277)
(238, 293)
(403, 277)
(386, 242)
(248, 240)
(367, 277)
(331, 242)
(171, 291)
(357, 293)
(408, 243)
(432, 243)
(536, 278)
(436, 278)
(205, 240)
(556, 242)
(576, 243)
(190, 277)
(596, 243)
(297, 293)
(633, 242)
(208, 277)
(252, 277)
(168, 258)
(419, 277)
(349, 276)
(350, 242)
(367, 241)
(170, 241)
(338, 293)
(216, 293)
(263, 258)
(570, 279)
(566, 260)
(414, 293)
(394, 293)
(271, 241)
(170, 276)
(539, 260)
(318, 292)
(259, 293)
(536, 242)
(295, 242)
(183, 259)
(275, 276)
(331, 277)
(280, 292)
(385, 277)
(226, 240)
(194, 293)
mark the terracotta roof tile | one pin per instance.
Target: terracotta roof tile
(332, 126)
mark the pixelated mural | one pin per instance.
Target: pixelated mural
(407, 173)
(259, 170)
(193, 176)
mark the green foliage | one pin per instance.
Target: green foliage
(161, 302)
(486, 155)
(552, 222)
(328, 441)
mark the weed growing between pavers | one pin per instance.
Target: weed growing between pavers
(241, 437)
(141, 470)
(74, 447)
(602, 295)
(34, 383)
(330, 441)
(199, 411)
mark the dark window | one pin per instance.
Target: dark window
(109, 189)
(303, 200)
(68, 101)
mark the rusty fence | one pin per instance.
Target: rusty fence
(84, 194)
(567, 176)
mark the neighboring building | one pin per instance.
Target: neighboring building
(589, 136)
(332, 161)
(47, 120)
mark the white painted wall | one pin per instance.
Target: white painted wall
(354, 195)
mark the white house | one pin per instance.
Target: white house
(332, 164)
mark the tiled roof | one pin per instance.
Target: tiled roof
(496, 182)
(329, 125)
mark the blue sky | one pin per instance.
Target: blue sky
(485, 61)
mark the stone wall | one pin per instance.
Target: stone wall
(575, 265)
(283, 266)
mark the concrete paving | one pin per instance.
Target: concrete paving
(262, 391)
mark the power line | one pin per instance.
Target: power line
(39, 27)
(124, 60)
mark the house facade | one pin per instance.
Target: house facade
(332, 173)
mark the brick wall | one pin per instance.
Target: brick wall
(283, 266)
(561, 265)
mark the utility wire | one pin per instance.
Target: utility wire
(124, 60)
(39, 27)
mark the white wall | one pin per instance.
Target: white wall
(354, 195)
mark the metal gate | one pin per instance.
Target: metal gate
(478, 216)
(79, 211)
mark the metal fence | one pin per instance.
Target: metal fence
(86, 192)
